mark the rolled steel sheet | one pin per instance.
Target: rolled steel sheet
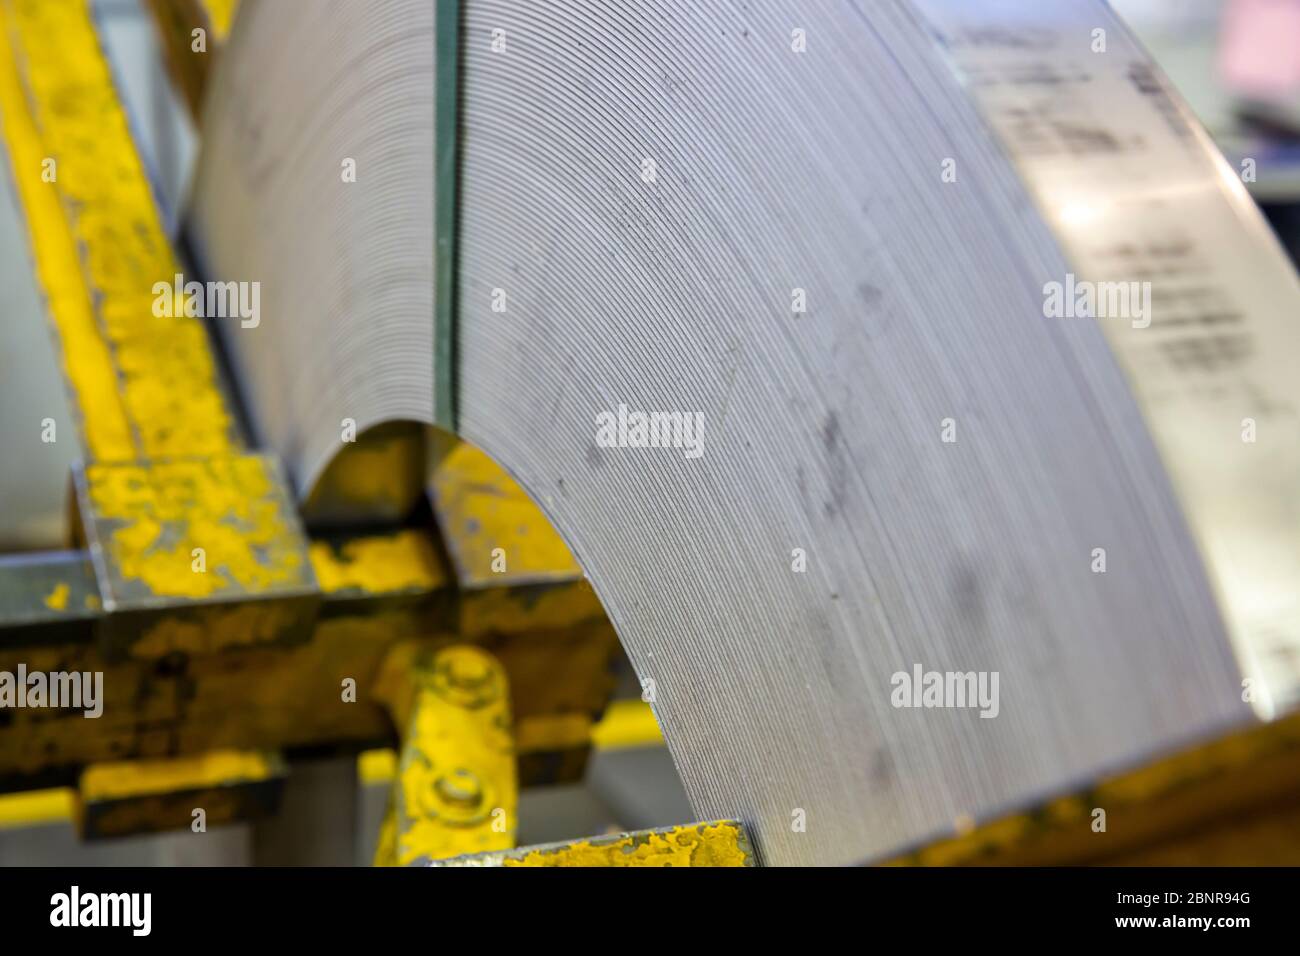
(314, 180)
(839, 246)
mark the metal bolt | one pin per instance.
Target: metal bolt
(467, 671)
(467, 677)
(460, 788)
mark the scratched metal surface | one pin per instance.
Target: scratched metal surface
(820, 170)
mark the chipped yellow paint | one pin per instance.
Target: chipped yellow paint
(480, 509)
(701, 844)
(200, 521)
(37, 808)
(146, 386)
(382, 564)
(87, 362)
(627, 723)
(239, 625)
(158, 514)
(57, 600)
(132, 778)
(280, 696)
(456, 790)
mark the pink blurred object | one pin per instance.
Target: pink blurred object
(1259, 48)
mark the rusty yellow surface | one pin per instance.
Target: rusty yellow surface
(120, 780)
(194, 528)
(141, 796)
(172, 510)
(456, 790)
(495, 534)
(195, 555)
(247, 698)
(270, 697)
(703, 844)
(513, 570)
(380, 564)
(266, 695)
(716, 843)
(155, 813)
(145, 386)
(87, 361)
(513, 607)
(239, 625)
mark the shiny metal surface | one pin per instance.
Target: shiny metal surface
(316, 180)
(917, 469)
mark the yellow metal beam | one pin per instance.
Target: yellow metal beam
(146, 385)
(496, 535)
(36, 808)
(211, 789)
(196, 555)
(87, 359)
(456, 789)
(197, 528)
(178, 517)
(168, 489)
(134, 778)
